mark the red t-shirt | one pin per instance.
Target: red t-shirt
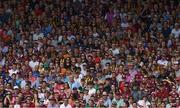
(62, 95)
(162, 93)
(31, 105)
(1, 32)
(174, 94)
(121, 87)
(97, 60)
(38, 12)
(6, 38)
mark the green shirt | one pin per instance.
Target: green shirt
(119, 103)
(96, 87)
(87, 106)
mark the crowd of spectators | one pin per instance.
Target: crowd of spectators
(89, 53)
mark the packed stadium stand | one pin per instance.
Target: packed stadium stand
(89, 54)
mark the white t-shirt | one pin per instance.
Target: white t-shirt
(11, 71)
(17, 106)
(36, 36)
(115, 51)
(63, 106)
(124, 25)
(178, 91)
(92, 91)
(46, 101)
(95, 34)
(177, 73)
(175, 32)
(119, 78)
(32, 64)
(78, 79)
(41, 96)
(83, 71)
(144, 104)
(2, 62)
(86, 98)
(60, 39)
(130, 106)
(23, 83)
(162, 62)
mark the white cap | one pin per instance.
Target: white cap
(16, 87)
(104, 93)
